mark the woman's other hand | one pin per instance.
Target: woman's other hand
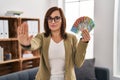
(85, 35)
(22, 34)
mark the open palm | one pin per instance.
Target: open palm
(23, 36)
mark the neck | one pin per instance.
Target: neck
(56, 37)
(56, 34)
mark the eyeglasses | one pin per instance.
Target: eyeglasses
(56, 19)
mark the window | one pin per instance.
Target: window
(116, 66)
(75, 9)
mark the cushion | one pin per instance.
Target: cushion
(86, 71)
(12, 77)
(32, 73)
(23, 75)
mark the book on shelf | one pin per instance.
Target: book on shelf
(4, 32)
(5, 29)
(1, 28)
(1, 54)
(32, 27)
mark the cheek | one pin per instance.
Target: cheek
(59, 24)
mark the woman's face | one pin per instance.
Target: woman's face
(54, 21)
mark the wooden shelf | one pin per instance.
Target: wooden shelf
(9, 67)
(8, 17)
(35, 57)
(8, 39)
(10, 45)
(30, 63)
(10, 61)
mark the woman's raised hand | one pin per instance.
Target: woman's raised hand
(23, 36)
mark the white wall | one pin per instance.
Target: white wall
(103, 47)
(31, 8)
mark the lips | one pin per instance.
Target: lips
(52, 25)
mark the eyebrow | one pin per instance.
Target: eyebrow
(54, 16)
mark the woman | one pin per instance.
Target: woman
(59, 50)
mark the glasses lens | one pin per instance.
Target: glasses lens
(57, 18)
(49, 19)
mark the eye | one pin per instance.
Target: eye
(57, 17)
(49, 18)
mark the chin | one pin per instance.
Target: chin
(53, 29)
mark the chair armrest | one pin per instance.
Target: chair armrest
(102, 73)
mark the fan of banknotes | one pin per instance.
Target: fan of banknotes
(81, 23)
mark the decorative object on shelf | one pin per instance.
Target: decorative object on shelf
(8, 56)
(27, 54)
(13, 13)
(81, 23)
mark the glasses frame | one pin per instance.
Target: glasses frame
(56, 19)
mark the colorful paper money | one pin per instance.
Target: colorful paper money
(81, 23)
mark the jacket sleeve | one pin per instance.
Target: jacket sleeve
(79, 51)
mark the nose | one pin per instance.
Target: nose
(53, 21)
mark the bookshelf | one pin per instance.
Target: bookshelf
(12, 59)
